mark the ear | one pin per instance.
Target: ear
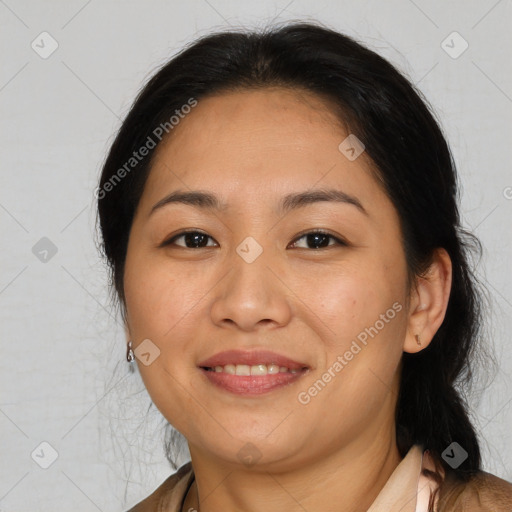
(429, 300)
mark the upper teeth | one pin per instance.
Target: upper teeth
(257, 369)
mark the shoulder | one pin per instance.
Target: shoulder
(169, 493)
(483, 492)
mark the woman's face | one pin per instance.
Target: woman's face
(253, 280)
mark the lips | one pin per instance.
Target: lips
(233, 371)
(251, 358)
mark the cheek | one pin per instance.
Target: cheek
(354, 299)
(366, 315)
(157, 295)
(159, 302)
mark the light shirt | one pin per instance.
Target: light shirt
(407, 489)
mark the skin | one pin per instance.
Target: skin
(251, 148)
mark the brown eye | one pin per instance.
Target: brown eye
(319, 240)
(190, 240)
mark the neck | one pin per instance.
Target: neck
(350, 478)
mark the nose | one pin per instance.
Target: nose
(252, 294)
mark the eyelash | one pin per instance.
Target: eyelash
(338, 240)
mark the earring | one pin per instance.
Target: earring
(417, 336)
(130, 356)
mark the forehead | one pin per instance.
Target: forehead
(254, 144)
(235, 117)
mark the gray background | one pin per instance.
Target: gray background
(63, 375)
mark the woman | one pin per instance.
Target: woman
(279, 211)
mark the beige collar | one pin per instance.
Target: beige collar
(407, 489)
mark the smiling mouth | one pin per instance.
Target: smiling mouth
(251, 372)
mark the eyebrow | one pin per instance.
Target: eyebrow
(209, 201)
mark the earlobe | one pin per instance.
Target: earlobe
(429, 303)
